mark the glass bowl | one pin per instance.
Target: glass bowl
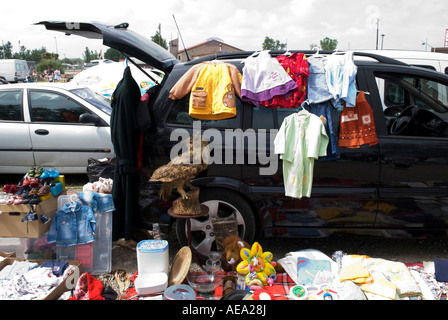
(205, 283)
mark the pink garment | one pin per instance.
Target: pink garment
(296, 65)
(264, 78)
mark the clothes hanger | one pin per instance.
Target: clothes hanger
(365, 92)
(302, 109)
(73, 200)
(336, 51)
(251, 56)
(317, 55)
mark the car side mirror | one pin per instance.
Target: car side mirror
(90, 118)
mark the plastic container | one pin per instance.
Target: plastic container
(179, 292)
(57, 189)
(29, 248)
(95, 257)
(151, 283)
(152, 256)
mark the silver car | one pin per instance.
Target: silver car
(53, 125)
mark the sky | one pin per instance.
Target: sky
(244, 24)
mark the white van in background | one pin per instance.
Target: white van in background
(13, 70)
(431, 60)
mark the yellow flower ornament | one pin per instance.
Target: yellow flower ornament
(256, 264)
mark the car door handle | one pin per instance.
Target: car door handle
(403, 164)
(41, 132)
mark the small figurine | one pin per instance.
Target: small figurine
(255, 261)
(231, 256)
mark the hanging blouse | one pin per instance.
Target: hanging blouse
(296, 65)
(264, 78)
(300, 140)
(340, 72)
(317, 83)
(357, 125)
(213, 86)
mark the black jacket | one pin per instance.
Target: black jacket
(125, 138)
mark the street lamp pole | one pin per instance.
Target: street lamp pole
(56, 41)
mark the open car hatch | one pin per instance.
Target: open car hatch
(120, 38)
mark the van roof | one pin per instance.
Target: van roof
(409, 54)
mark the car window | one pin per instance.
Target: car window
(11, 105)
(178, 115)
(283, 113)
(414, 106)
(94, 98)
(262, 118)
(48, 106)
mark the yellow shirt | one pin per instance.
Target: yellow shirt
(213, 86)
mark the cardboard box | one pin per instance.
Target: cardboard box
(66, 285)
(11, 225)
(7, 254)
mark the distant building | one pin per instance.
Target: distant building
(207, 48)
(440, 50)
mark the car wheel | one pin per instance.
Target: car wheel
(221, 203)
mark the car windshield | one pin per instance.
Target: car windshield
(97, 100)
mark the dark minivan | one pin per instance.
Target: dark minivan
(396, 188)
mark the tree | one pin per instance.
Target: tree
(50, 56)
(271, 44)
(6, 51)
(157, 38)
(113, 54)
(36, 55)
(73, 61)
(326, 44)
(52, 63)
(89, 55)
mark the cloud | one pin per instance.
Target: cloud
(241, 23)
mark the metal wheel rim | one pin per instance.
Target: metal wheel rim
(205, 225)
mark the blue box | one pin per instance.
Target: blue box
(57, 189)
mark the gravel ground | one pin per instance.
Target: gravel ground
(405, 250)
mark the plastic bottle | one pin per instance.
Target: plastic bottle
(156, 231)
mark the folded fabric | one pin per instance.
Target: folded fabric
(36, 283)
(355, 272)
(398, 274)
(441, 270)
(380, 286)
(350, 291)
(427, 293)
(99, 202)
(57, 266)
(17, 268)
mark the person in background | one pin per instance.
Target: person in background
(57, 75)
(35, 77)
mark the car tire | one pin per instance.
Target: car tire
(221, 203)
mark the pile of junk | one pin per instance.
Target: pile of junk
(252, 274)
(239, 272)
(60, 248)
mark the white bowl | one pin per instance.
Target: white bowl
(151, 283)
